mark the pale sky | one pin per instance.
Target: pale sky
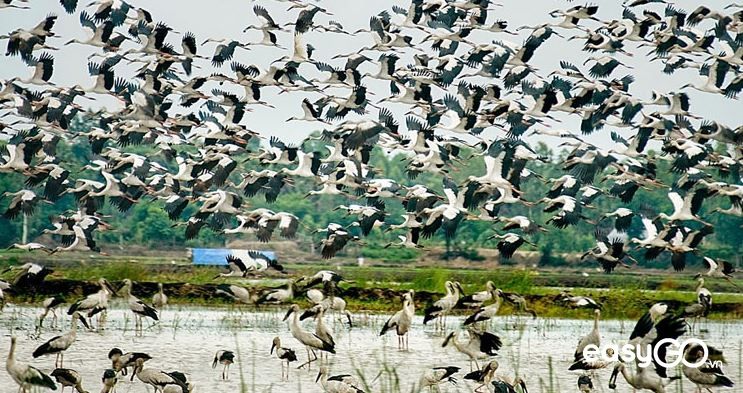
(227, 18)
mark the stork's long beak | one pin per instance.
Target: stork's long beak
(272, 347)
(214, 363)
(446, 341)
(318, 376)
(287, 314)
(109, 286)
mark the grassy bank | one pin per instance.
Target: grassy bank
(377, 288)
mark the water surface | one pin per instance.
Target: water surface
(187, 338)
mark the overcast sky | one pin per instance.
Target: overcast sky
(227, 18)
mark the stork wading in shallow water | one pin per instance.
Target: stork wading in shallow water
(120, 361)
(69, 378)
(709, 375)
(310, 340)
(321, 330)
(24, 375)
(160, 299)
(653, 327)
(138, 307)
(480, 345)
(57, 345)
(160, 380)
(95, 303)
(592, 338)
(401, 321)
(50, 304)
(226, 359)
(285, 355)
(443, 306)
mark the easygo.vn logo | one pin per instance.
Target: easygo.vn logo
(648, 355)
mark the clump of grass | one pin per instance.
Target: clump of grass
(115, 271)
(520, 281)
(433, 281)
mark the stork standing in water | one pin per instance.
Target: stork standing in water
(706, 376)
(284, 354)
(311, 341)
(96, 303)
(24, 375)
(159, 380)
(50, 304)
(138, 307)
(160, 299)
(401, 321)
(653, 327)
(226, 358)
(57, 345)
(592, 338)
(481, 345)
(484, 376)
(331, 302)
(68, 377)
(121, 361)
(443, 306)
(703, 305)
(321, 330)
(506, 386)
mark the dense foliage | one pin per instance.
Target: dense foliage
(147, 224)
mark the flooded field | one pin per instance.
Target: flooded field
(540, 350)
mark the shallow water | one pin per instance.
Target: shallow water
(187, 338)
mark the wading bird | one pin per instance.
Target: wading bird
(226, 358)
(57, 345)
(25, 376)
(401, 321)
(285, 355)
(68, 378)
(138, 307)
(310, 340)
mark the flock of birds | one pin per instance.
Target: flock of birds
(191, 111)
(472, 339)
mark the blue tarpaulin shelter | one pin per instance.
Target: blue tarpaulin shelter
(218, 256)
